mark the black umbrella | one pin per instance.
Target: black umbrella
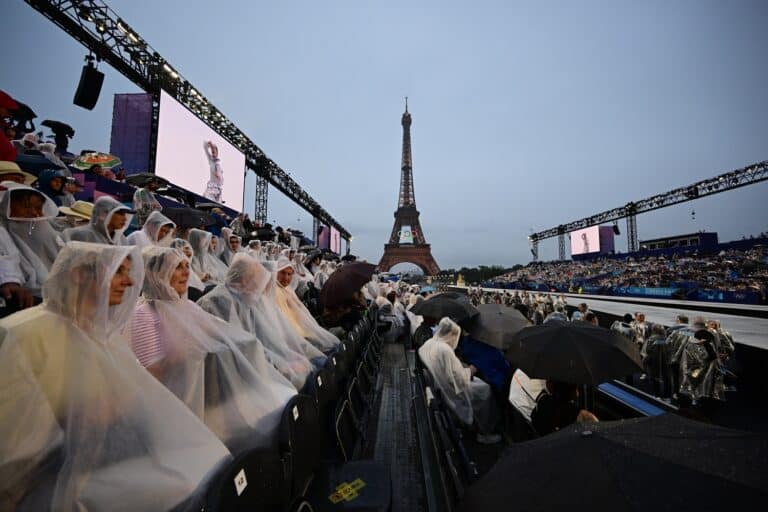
(188, 217)
(141, 179)
(453, 305)
(574, 352)
(344, 282)
(496, 325)
(660, 463)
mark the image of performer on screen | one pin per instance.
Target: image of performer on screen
(216, 180)
(586, 242)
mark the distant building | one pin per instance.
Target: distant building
(703, 240)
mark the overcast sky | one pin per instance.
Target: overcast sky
(526, 115)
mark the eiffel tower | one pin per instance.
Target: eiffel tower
(407, 243)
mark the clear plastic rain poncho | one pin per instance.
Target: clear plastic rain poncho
(301, 270)
(148, 234)
(204, 261)
(103, 210)
(83, 427)
(299, 316)
(254, 250)
(185, 247)
(196, 356)
(322, 275)
(32, 243)
(241, 301)
(470, 398)
(227, 253)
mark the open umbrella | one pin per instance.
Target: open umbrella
(188, 217)
(659, 463)
(103, 159)
(453, 305)
(574, 352)
(344, 282)
(496, 325)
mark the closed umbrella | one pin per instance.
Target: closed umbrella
(453, 305)
(344, 282)
(659, 463)
(574, 352)
(496, 325)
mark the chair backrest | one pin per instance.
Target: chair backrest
(254, 479)
(364, 379)
(357, 400)
(347, 433)
(301, 439)
(326, 392)
(340, 360)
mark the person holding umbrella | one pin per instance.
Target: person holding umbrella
(144, 200)
(556, 408)
(470, 398)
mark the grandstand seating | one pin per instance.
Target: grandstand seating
(317, 463)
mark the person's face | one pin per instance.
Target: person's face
(285, 276)
(641, 318)
(180, 278)
(117, 221)
(164, 230)
(120, 282)
(98, 170)
(234, 243)
(56, 183)
(187, 250)
(72, 188)
(28, 207)
(16, 178)
(214, 243)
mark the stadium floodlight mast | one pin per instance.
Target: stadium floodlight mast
(97, 27)
(749, 175)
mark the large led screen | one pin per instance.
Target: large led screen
(335, 240)
(585, 240)
(194, 157)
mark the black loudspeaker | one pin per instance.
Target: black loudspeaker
(89, 88)
(616, 229)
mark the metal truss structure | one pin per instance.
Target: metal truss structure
(112, 40)
(749, 175)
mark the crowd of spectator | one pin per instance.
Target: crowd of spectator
(138, 357)
(727, 271)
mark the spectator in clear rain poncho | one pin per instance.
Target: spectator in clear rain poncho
(322, 274)
(84, 427)
(469, 397)
(230, 245)
(246, 299)
(301, 320)
(415, 320)
(194, 279)
(157, 230)
(145, 202)
(28, 243)
(197, 356)
(254, 250)
(208, 267)
(109, 221)
(391, 326)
